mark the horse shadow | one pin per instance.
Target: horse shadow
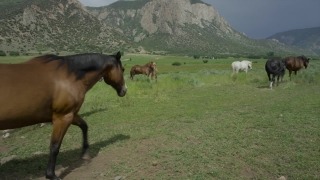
(35, 166)
(263, 87)
(88, 113)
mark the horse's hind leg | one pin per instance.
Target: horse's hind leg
(290, 74)
(278, 78)
(78, 121)
(272, 79)
(269, 78)
(60, 127)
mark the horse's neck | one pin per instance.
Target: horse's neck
(90, 79)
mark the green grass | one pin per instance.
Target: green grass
(196, 122)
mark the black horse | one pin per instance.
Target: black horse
(275, 68)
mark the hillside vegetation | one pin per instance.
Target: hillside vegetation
(143, 26)
(308, 38)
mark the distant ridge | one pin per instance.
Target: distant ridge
(308, 38)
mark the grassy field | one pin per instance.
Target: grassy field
(196, 122)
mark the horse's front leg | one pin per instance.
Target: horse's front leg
(60, 127)
(78, 121)
(155, 76)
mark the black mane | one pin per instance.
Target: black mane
(80, 64)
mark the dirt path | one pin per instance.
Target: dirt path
(92, 169)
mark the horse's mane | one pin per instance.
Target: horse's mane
(79, 64)
(303, 58)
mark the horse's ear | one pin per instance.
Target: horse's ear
(118, 55)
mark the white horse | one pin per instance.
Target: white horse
(241, 66)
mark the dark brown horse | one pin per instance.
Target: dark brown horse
(149, 69)
(52, 88)
(296, 63)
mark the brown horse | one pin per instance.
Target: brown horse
(296, 63)
(52, 88)
(149, 69)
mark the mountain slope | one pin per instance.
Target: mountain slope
(176, 26)
(180, 26)
(308, 38)
(42, 25)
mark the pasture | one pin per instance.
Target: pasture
(196, 122)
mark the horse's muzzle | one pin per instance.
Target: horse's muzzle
(123, 91)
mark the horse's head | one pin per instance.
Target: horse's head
(152, 65)
(113, 75)
(305, 61)
(250, 65)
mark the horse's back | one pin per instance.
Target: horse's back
(137, 69)
(235, 64)
(246, 62)
(290, 62)
(275, 66)
(294, 63)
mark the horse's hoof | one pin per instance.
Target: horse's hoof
(53, 177)
(86, 156)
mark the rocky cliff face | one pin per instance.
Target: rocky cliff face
(163, 16)
(182, 25)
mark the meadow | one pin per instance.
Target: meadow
(195, 122)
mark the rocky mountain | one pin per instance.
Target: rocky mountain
(146, 26)
(180, 26)
(50, 25)
(308, 38)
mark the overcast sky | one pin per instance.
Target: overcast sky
(259, 18)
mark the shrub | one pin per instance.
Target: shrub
(176, 64)
(2, 53)
(13, 53)
(196, 56)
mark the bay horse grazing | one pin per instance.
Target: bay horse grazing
(275, 68)
(52, 88)
(149, 69)
(296, 63)
(241, 66)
